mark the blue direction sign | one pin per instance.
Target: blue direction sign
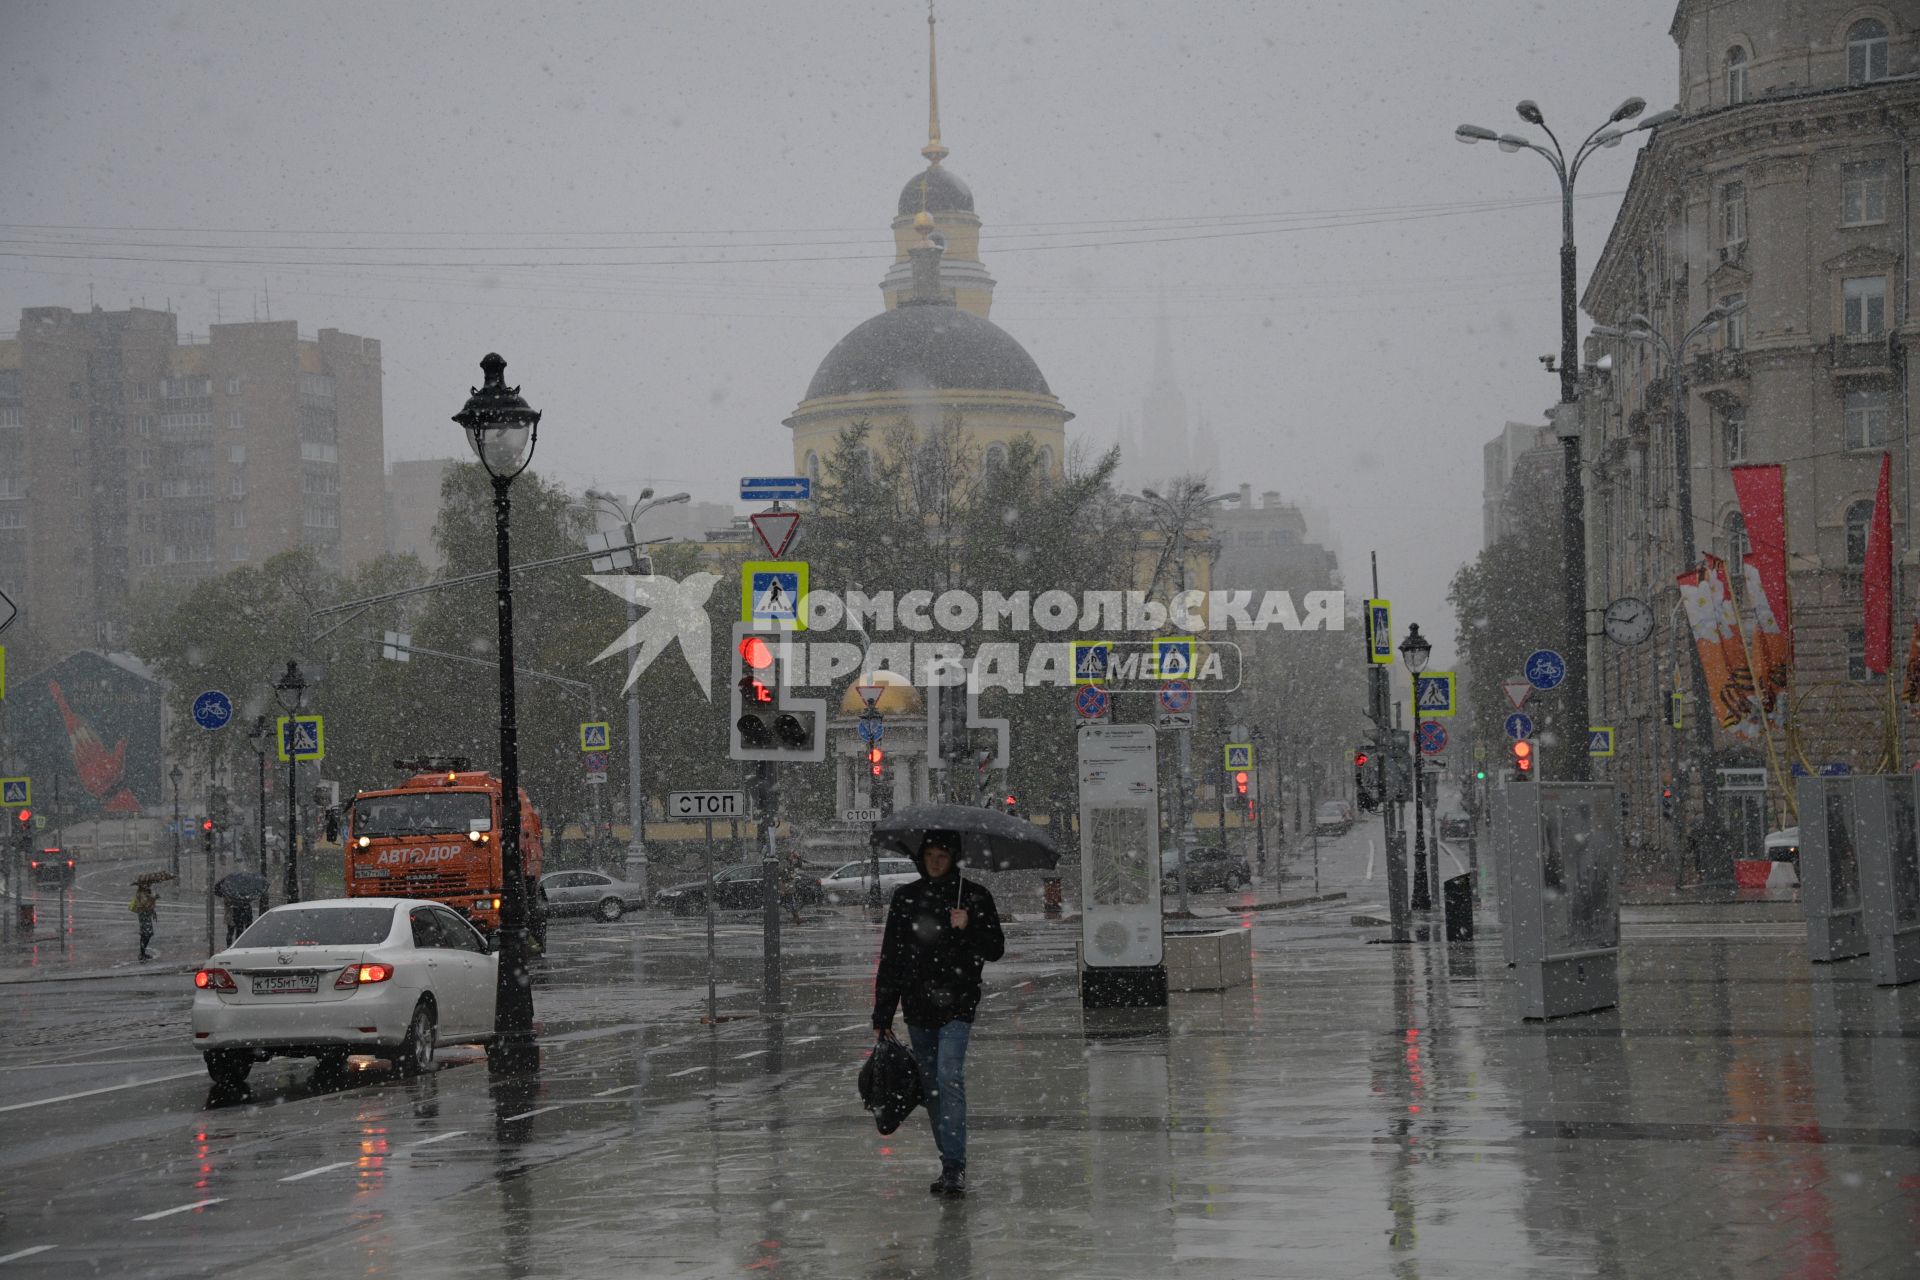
(1519, 726)
(212, 709)
(1545, 669)
(873, 730)
(776, 488)
(1433, 737)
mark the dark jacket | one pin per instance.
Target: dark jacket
(928, 967)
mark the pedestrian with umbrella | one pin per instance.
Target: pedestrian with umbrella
(146, 905)
(238, 889)
(941, 931)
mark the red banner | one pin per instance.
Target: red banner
(1763, 506)
(1716, 635)
(1876, 576)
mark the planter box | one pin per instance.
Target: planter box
(1209, 961)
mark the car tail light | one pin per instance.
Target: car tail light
(356, 974)
(214, 980)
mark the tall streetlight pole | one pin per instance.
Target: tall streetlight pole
(1414, 651)
(1639, 328)
(1573, 534)
(174, 774)
(636, 792)
(291, 690)
(258, 737)
(503, 432)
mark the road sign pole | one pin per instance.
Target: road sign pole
(713, 1018)
(1422, 892)
(1183, 820)
(770, 892)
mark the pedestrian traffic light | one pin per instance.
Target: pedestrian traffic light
(1010, 803)
(1523, 760)
(1666, 803)
(767, 723)
(206, 824)
(1240, 782)
(877, 761)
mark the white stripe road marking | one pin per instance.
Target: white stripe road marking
(1369, 859)
(26, 1253)
(622, 1088)
(325, 1168)
(438, 1137)
(993, 995)
(804, 1040)
(181, 1208)
(537, 1111)
(854, 1026)
(89, 1093)
(751, 1053)
(672, 1075)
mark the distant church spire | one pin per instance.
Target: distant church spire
(934, 151)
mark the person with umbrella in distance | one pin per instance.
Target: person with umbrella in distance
(145, 905)
(941, 930)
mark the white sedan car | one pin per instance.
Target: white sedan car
(392, 976)
(849, 882)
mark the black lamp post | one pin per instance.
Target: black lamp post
(1414, 651)
(174, 775)
(503, 431)
(291, 690)
(258, 737)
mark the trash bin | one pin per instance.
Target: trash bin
(1456, 897)
(28, 914)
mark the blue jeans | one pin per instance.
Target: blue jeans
(942, 1055)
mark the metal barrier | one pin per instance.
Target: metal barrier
(1559, 864)
(1887, 817)
(1830, 869)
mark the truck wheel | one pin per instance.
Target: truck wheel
(416, 1051)
(611, 909)
(229, 1066)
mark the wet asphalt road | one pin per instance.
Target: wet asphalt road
(1362, 1110)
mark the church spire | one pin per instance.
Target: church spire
(933, 151)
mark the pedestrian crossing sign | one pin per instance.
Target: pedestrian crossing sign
(1173, 658)
(302, 737)
(1380, 632)
(771, 592)
(1092, 659)
(1239, 755)
(16, 793)
(1433, 693)
(1600, 740)
(595, 735)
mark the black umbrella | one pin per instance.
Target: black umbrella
(243, 885)
(989, 840)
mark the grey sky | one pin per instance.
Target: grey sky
(1357, 368)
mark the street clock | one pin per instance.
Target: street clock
(1629, 620)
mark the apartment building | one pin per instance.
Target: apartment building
(1786, 186)
(135, 460)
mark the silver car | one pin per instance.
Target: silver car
(849, 883)
(581, 893)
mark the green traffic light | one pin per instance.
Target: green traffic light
(1479, 775)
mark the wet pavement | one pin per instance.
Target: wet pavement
(1361, 1110)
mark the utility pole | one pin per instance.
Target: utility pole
(1385, 742)
(767, 785)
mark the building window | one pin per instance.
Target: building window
(1046, 460)
(1736, 323)
(237, 455)
(149, 557)
(1859, 518)
(1857, 658)
(813, 469)
(316, 386)
(311, 452)
(1863, 193)
(996, 457)
(1866, 52)
(233, 386)
(237, 485)
(1738, 548)
(238, 519)
(1733, 434)
(1733, 213)
(1866, 306)
(236, 421)
(1736, 76)
(1866, 412)
(239, 553)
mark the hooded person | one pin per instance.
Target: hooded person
(942, 929)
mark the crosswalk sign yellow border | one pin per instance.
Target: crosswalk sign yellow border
(798, 568)
(1443, 678)
(606, 735)
(1599, 740)
(1238, 755)
(319, 724)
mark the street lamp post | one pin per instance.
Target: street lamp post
(503, 432)
(174, 774)
(291, 690)
(1573, 534)
(637, 870)
(257, 738)
(1639, 328)
(1414, 651)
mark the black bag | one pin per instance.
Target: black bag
(890, 1084)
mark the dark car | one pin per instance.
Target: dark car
(1208, 867)
(52, 866)
(1455, 826)
(735, 889)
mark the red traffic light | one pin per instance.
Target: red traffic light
(878, 759)
(1240, 782)
(1360, 759)
(1523, 756)
(756, 653)
(1010, 802)
(23, 817)
(206, 824)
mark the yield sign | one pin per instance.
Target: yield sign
(870, 693)
(1517, 691)
(775, 530)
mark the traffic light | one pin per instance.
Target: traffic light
(767, 725)
(1666, 804)
(1240, 783)
(1363, 783)
(1010, 803)
(206, 824)
(1522, 760)
(877, 761)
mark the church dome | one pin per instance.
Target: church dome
(943, 193)
(926, 347)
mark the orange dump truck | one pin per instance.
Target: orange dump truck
(437, 835)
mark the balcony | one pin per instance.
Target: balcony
(1868, 359)
(1713, 369)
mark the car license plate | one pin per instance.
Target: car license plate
(282, 984)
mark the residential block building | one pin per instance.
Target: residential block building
(134, 460)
